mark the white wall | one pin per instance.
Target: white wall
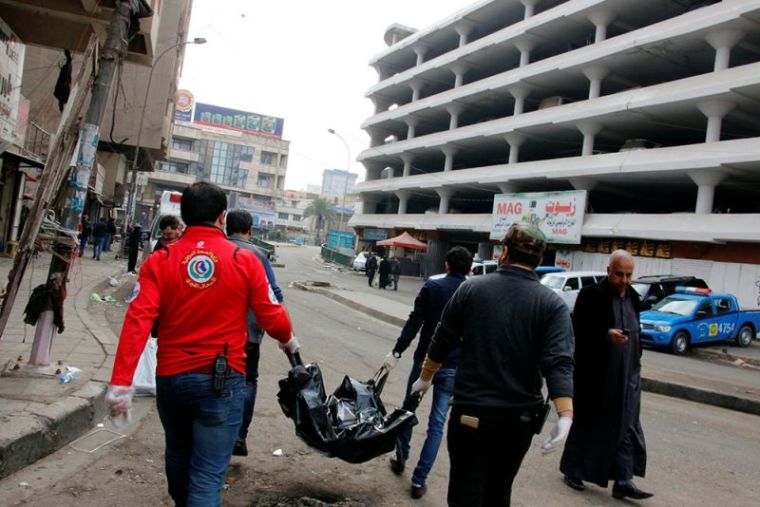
(742, 280)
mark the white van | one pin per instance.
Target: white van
(569, 283)
(169, 205)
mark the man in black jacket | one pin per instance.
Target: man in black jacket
(428, 306)
(513, 331)
(370, 267)
(606, 441)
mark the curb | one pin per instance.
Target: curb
(648, 384)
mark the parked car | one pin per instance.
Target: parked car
(477, 268)
(360, 261)
(542, 270)
(653, 289)
(569, 283)
(693, 315)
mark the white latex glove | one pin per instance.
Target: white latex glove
(119, 403)
(291, 346)
(390, 361)
(421, 386)
(558, 434)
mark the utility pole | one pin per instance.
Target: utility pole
(75, 192)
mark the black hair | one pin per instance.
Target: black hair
(168, 221)
(519, 257)
(238, 222)
(202, 203)
(459, 260)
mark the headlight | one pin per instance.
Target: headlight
(662, 328)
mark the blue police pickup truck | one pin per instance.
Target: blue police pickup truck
(692, 316)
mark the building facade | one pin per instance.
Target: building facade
(242, 152)
(338, 182)
(644, 112)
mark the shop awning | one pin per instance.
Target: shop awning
(405, 240)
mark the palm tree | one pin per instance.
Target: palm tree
(321, 209)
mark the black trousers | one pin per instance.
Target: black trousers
(485, 460)
(132, 260)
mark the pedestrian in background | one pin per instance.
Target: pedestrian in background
(370, 267)
(607, 442)
(428, 306)
(85, 229)
(99, 232)
(201, 288)
(395, 271)
(134, 242)
(512, 331)
(239, 224)
(110, 232)
(169, 227)
(384, 270)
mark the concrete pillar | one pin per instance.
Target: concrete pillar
(459, 69)
(715, 110)
(485, 251)
(520, 93)
(445, 195)
(411, 124)
(589, 131)
(420, 51)
(376, 137)
(407, 159)
(435, 257)
(464, 29)
(530, 7)
(514, 140)
(403, 199)
(706, 182)
(722, 41)
(416, 86)
(601, 19)
(382, 72)
(454, 110)
(381, 104)
(595, 76)
(508, 187)
(449, 151)
(582, 183)
(369, 204)
(524, 46)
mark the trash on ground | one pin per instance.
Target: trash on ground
(69, 374)
(24, 484)
(113, 282)
(278, 453)
(95, 297)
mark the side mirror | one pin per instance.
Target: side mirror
(566, 288)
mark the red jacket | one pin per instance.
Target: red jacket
(200, 287)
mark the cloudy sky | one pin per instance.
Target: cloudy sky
(304, 61)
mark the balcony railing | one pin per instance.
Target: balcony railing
(37, 142)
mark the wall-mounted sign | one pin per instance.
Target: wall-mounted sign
(559, 215)
(662, 250)
(241, 121)
(11, 68)
(646, 249)
(374, 235)
(563, 259)
(183, 106)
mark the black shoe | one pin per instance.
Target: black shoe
(397, 467)
(631, 491)
(240, 449)
(574, 483)
(418, 491)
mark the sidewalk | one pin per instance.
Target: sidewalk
(38, 413)
(717, 383)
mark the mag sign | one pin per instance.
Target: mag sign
(242, 121)
(559, 215)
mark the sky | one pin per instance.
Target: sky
(304, 61)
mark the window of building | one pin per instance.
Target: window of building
(296, 218)
(267, 157)
(264, 180)
(282, 216)
(283, 160)
(182, 144)
(246, 153)
(174, 167)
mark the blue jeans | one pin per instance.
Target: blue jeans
(98, 246)
(107, 243)
(252, 354)
(200, 427)
(443, 388)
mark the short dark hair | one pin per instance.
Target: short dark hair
(168, 221)
(238, 222)
(459, 260)
(202, 203)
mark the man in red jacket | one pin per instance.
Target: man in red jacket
(200, 287)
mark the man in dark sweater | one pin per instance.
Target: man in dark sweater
(98, 237)
(513, 331)
(428, 306)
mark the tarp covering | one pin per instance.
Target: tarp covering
(405, 240)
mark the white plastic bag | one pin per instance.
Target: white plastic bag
(145, 374)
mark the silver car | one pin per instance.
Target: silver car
(569, 283)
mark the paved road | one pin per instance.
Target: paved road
(699, 455)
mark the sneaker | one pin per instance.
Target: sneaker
(397, 467)
(575, 483)
(418, 491)
(240, 449)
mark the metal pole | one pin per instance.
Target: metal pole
(345, 183)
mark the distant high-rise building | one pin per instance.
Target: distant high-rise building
(313, 189)
(337, 182)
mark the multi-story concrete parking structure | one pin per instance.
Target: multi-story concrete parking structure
(646, 113)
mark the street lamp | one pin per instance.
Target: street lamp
(345, 185)
(132, 183)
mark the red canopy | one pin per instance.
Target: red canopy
(403, 241)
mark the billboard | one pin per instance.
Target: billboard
(11, 68)
(241, 121)
(262, 212)
(183, 106)
(559, 215)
